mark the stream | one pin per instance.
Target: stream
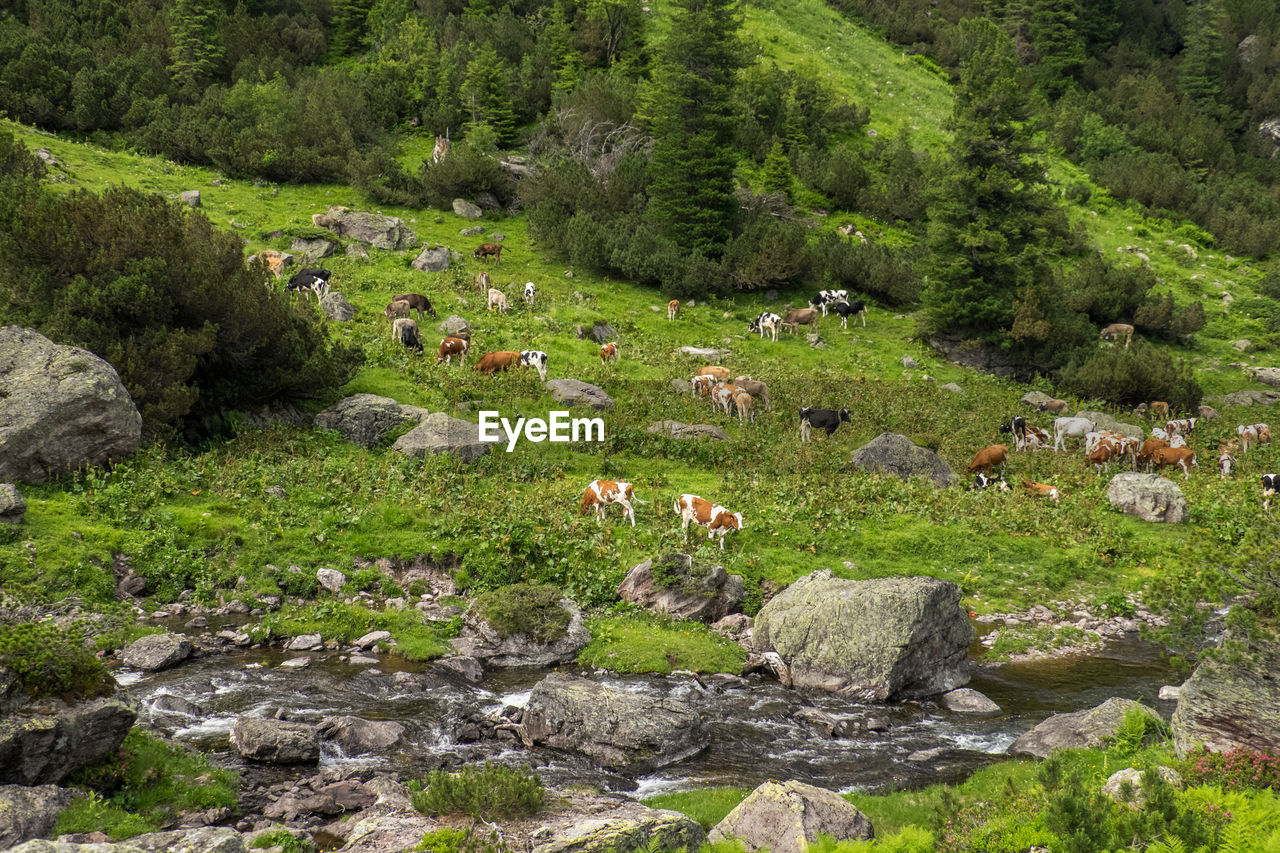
(759, 730)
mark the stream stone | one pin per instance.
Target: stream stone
(1229, 705)
(479, 640)
(358, 736)
(29, 812)
(1079, 729)
(883, 639)
(276, 741)
(966, 700)
(39, 748)
(208, 839)
(786, 817)
(620, 730)
(679, 586)
(156, 651)
(590, 822)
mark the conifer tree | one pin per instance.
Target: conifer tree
(777, 171)
(350, 22)
(565, 60)
(1200, 74)
(486, 96)
(1059, 44)
(194, 50)
(691, 191)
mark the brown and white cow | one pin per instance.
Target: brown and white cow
(722, 396)
(609, 352)
(441, 149)
(1181, 426)
(602, 493)
(1040, 490)
(1147, 453)
(1183, 457)
(714, 517)
(492, 362)
(451, 348)
(721, 374)
(701, 385)
(673, 308)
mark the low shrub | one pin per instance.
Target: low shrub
(284, 839)
(1126, 377)
(52, 662)
(530, 609)
(1239, 769)
(483, 793)
(447, 840)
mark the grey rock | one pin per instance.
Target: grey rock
(191, 198)
(574, 392)
(276, 741)
(620, 730)
(315, 249)
(488, 201)
(385, 829)
(908, 362)
(207, 839)
(1079, 729)
(1036, 399)
(169, 704)
(47, 156)
(786, 817)
(63, 408)
(453, 324)
(1132, 777)
(896, 455)
(987, 358)
(705, 353)
(381, 232)
(466, 209)
(331, 579)
(473, 231)
(480, 641)
(1148, 496)
(42, 749)
(1248, 397)
(1266, 375)
(305, 643)
(952, 387)
(336, 307)
(966, 700)
(29, 812)
(358, 736)
(365, 419)
(433, 259)
(439, 433)
(591, 822)
(1242, 344)
(1170, 692)
(295, 663)
(357, 251)
(372, 638)
(1207, 413)
(603, 332)
(13, 507)
(1229, 704)
(156, 651)
(676, 429)
(883, 639)
(1105, 421)
(815, 340)
(683, 588)
(469, 668)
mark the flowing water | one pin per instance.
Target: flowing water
(758, 729)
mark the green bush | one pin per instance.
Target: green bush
(484, 793)
(285, 839)
(51, 662)
(1126, 377)
(447, 840)
(530, 609)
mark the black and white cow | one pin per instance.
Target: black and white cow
(823, 419)
(827, 298)
(850, 309)
(537, 359)
(1017, 426)
(1269, 484)
(766, 321)
(985, 481)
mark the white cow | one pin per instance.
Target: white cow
(1075, 427)
(530, 291)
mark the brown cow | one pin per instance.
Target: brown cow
(720, 373)
(486, 249)
(452, 347)
(417, 302)
(1118, 330)
(1183, 457)
(755, 388)
(798, 317)
(1147, 453)
(989, 457)
(1158, 410)
(397, 308)
(673, 308)
(1040, 490)
(492, 362)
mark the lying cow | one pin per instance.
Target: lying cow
(828, 420)
(983, 481)
(417, 302)
(714, 517)
(602, 493)
(1040, 490)
(1116, 331)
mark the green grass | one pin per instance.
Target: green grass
(413, 637)
(708, 806)
(645, 643)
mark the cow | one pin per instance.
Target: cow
(746, 405)
(982, 481)
(701, 385)
(1040, 490)
(405, 331)
(492, 362)
(828, 420)
(720, 373)
(274, 261)
(1182, 426)
(610, 352)
(441, 149)
(765, 321)
(308, 283)
(714, 517)
(497, 300)
(1158, 410)
(1017, 427)
(850, 309)
(673, 308)
(1248, 435)
(1147, 453)
(1178, 441)
(602, 493)
(1065, 427)
(536, 359)
(989, 457)
(452, 347)
(1037, 438)
(530, 292)
(489, 249)
(1226, 457)
(1269, 484)
(1100, 457)
(827, 298)
(417, 302)
(483, 281)
(755, 388)
(1157, 432)
(1183, 457)
(798, 317)
(1117, 330)
(722, 396)
(318, 272)
(1058, 407)
(1264, 433)
(397, 308)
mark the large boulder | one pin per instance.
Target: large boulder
(381, 232)
(336, 307)
(1266, 375)
(39, 748)
(1085, 729)
(358, 736)
(62, 408)
(1148, 496)
(676, 429)
(276, 741)
(29, 812)
(585, 821)
(453, 324)
(433, 259)
(1227, 704)
(365, 419)
(882, 639)
(1248, 397)
(315, 249)
(898, 456)
(683, 588)
(1106, 422)
(466, 209)
(574, 392)
(156, 651)
(440, 433)
(205, 839)
(620, 730)
(786, 817)
(13, 507)
(481, 641)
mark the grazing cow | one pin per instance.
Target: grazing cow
(1158, 410)
(673, 308)
(714, 517)
(491, 362)
(483, 281)
(397, 308)
(1017, 427)
(982, 481)
(497, 300)
(536, 359)
(1147, 453)
(1269, 484)
(1040, 490)
(746, 405)
(765, 321)
(1118, 330)
(827, 298)
(989, 457)
(1182, 426)
(318, 272)
(304, 281)
(722, 396)
(530, 292)
(1183, 457)
(1264, 433)
(1067, 427)
(417, 302)
(602, 493)
(1248, 435)
(720, 373)
(441, 149)
(1100, 457)
(1178, 441)
(828, 420)
(1037, 438)
(1226, 457)
(452, 347)
(798, 317)
(702, 384)
(610, 352)
(489, 249)
(755, 388)
(274, 261)
(850, 309)
(405, 331)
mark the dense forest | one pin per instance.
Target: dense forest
(666, 152)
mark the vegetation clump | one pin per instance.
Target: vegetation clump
(530, 609)
(484, 793)
(1132, 375)
(52, 662)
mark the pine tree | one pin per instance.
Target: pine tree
(691, 190)
(565, 60)
(486, 96)
(350, 22)
(1058, 42)
(777, 171)
(194, 50)
(993, 222)
(1200, 74)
